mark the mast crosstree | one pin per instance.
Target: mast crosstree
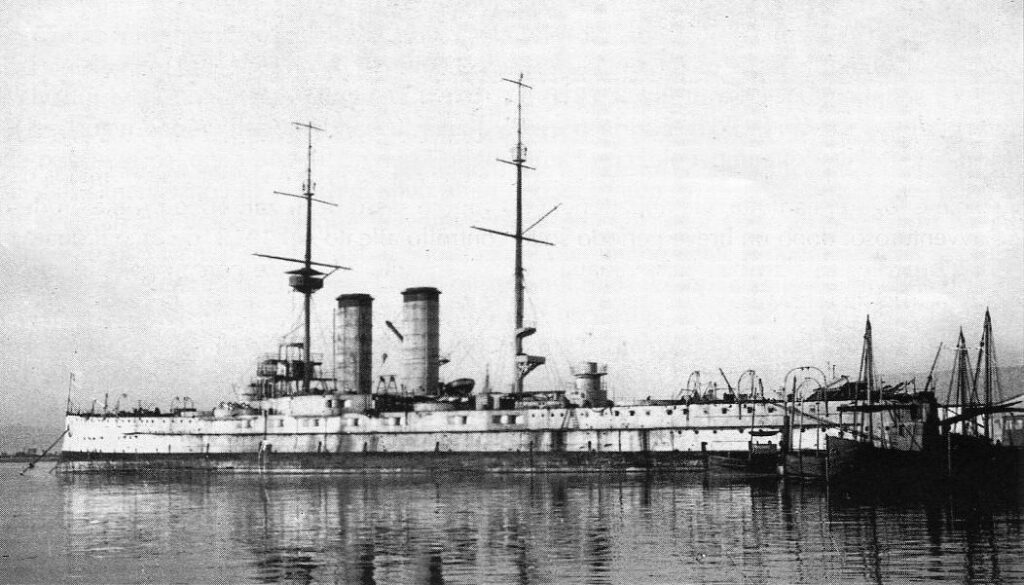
(524, 363)
(307, 280)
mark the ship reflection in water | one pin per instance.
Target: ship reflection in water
(496, 529)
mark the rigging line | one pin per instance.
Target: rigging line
(455, 348)
(299, 320)
(554, 376)
(474, 326)
(542, 218)
(546, 342)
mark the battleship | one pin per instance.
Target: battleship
(297, 416)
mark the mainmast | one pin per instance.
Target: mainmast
(307, 280)
(524, 363)
(519, 285)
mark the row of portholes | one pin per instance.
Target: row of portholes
(279, 423)
(506, 419)
(586, 414)
(136, 422)
(131, 437)
(714, 431)
(685, 411)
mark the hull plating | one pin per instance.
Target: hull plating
(354, 463)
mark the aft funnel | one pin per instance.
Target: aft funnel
(421, 346)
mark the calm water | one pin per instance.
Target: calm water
(498, 529)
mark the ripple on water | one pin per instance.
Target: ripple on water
(494, 529)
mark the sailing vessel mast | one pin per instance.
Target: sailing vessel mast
(307, 280)
(988, 368)
(524, 363)
(961, 391)
(867, 377)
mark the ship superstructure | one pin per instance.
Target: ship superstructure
(296, 416)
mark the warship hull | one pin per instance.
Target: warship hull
(358, 463)
(727, 437)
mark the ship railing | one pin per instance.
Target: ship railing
(316, 356)
(291, 354)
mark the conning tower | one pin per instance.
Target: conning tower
(421, 346)
(353, 343)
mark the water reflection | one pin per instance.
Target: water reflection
(513, 529)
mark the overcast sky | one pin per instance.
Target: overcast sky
(741, 184)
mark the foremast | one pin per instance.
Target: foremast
(307, 279)
(524, 363)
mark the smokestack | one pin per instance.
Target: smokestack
(353, 343)
(589, 391)
(422, 324)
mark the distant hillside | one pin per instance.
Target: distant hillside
(1011, 380)
(17, 437)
